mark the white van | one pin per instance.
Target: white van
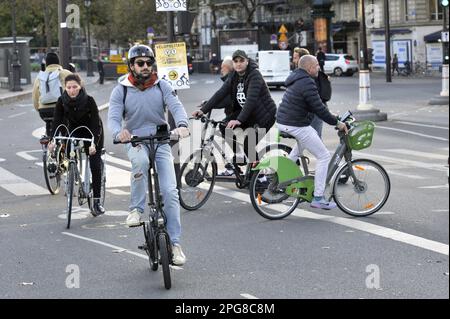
(274, 66)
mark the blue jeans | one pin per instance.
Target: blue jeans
(167, 182)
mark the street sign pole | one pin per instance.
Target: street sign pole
(63, 35)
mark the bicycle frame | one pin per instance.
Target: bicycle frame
(301, 184)
(208, 144)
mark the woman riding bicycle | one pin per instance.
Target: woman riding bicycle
(76, 109)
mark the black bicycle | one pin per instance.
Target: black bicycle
(199, 171)
(157, 240)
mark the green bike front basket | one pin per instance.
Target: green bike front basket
(361, 135)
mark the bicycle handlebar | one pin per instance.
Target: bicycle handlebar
(157, 137)
(205, 119)
(74, 139)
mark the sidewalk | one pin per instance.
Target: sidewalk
(6, 96)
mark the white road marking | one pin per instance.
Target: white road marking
(118, 192)
(104, 106)
(391, 172)
(16, 115)
(413, 133)
(37, 133)
(440, 210)
(210, 82)
(116, 213)
(118, 161)
(417, 153)
(395, 160)
(434, 187)
(423, 125)
(355, 224)
(2, 160)
(28, 157)
(248, 296)
(19, 186)
(117, 177)
(115, 247)
(385, 213)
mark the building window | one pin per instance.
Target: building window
(435, 10)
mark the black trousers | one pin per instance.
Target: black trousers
(250, 153)
(47, 116)
(95, 162)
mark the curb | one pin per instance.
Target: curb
(371, 115)
(439, 100)
(16, 97)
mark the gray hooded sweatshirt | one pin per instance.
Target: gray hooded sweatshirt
(144, 110)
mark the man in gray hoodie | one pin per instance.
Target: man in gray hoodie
(140, 100)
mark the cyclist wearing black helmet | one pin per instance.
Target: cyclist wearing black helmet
(139, 101)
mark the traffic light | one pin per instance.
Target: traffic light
(444, 3)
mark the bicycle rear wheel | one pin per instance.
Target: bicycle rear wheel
(165, 258)
(52, 172)
(365, 195)
(267, 198)
(69, 191)
(198, 176)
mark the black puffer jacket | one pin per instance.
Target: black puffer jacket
(259, 107)
(301, 101)
(80, 111)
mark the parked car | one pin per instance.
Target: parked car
(339, 64)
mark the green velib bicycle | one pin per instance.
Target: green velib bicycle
(360, 187)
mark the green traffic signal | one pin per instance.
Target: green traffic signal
(444, 3)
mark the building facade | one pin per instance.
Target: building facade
(415, 30)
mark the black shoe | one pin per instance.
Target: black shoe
(97, 208)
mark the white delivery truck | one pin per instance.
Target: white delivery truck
(274, 66)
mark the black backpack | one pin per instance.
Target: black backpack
(324, 86)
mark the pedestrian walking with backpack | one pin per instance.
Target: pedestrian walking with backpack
(47, 88)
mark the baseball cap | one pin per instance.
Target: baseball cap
(240, 53)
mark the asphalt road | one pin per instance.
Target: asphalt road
(400, 252)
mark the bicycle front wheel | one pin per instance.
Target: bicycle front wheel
(69, 191)
(198, 175)
(163, 243)
(367, 193)
(52, 172)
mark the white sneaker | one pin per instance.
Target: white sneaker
(133, 219)
(178, 258)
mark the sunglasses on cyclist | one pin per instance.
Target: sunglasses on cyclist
(148, 62)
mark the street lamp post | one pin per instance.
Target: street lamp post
(387, 38)
(87, 4)
(15, 65)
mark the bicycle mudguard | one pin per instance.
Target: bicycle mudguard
(286, 169)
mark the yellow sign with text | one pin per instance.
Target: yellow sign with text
(122, 69)
(171, 54)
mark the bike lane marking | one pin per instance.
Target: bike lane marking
(116, 248)
(19, 186)
(381, 231)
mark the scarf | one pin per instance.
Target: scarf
(142, 84)
(76, 104)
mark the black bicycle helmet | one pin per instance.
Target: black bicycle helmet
(140, 50)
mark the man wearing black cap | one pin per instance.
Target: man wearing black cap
(48, 88)
(251, 102)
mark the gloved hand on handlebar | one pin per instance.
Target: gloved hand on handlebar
(197, 113)
(181, 132)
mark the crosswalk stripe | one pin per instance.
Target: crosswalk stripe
(355, 224)
(19, 186)
(417, 153)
